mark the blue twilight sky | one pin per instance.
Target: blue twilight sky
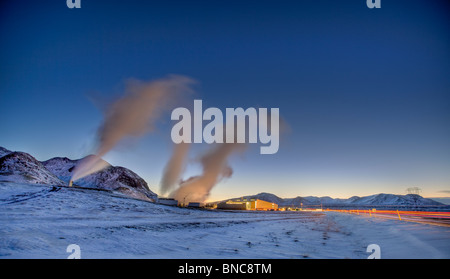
(365, 92)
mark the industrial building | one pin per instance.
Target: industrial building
(196, 204)
(167, 201)
(247, 204)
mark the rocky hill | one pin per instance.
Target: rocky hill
(23, 168)
(110, 178)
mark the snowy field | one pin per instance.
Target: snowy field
(38, 221)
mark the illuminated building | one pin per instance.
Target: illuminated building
(247, 204)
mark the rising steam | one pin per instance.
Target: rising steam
(174, 168)
(215, 167)
(133, 115)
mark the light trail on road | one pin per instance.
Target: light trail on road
(425, 217)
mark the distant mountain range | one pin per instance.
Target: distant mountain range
(23, 168)
(373, 200)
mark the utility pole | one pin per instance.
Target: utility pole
(413, 190)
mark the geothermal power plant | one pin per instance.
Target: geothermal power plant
(232, 204)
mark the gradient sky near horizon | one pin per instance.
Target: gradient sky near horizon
(365, 92)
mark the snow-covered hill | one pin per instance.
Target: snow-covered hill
(389, 199)
(21, 167)
(111, 178)
(378, 199)
(24, 168)
(4, 151)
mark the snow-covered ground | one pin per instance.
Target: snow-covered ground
(40, 221)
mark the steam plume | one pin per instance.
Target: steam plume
(174, 168)
(133, 115)
(215, 167)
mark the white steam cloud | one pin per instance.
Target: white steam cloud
(134, 115)
(215, 167)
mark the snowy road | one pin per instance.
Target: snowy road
(39, 221)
